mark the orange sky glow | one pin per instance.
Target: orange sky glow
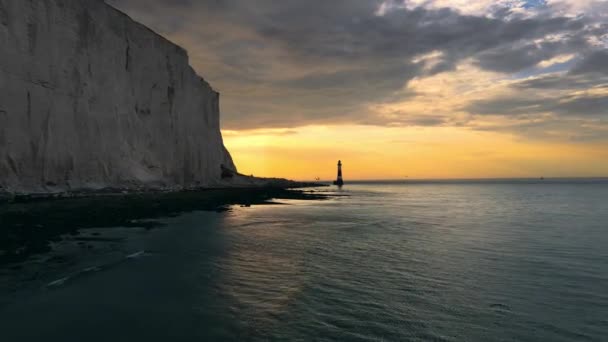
(396, 89)
(370, 152)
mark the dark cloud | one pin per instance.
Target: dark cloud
(422, 120)
(594, 63)
(290, 63)
(580, 93)
(581, 106)
(510, 59)
(555, 129)
(591, 70)
(575, 106)
(561, 82)
(279, 132)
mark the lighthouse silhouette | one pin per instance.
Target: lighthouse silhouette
(339, 181)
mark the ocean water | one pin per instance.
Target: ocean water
(416, 261)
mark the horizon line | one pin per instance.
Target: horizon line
(463, 179)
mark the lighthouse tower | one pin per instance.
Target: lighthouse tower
(339, 181)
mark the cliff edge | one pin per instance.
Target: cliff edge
(90, 100)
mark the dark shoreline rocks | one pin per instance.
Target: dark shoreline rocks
(6, 197)
(28, 224)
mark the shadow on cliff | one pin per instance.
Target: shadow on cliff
(28, 228)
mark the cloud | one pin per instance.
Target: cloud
(560, 82)
(580, 92)
(578, 106)
(285, 64)
(511, 59)
(259, 132)
(490, 8)
(594, 63)
(560, 59)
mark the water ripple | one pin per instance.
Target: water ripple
(441, 262)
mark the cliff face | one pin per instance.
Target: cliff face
(90, 99)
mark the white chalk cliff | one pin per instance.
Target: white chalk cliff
(90, 99)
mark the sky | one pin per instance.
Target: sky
(401, 89)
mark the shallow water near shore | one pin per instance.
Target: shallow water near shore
(426, 261)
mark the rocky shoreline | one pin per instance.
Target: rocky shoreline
(244, 183)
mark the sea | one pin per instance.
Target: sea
(459, 260)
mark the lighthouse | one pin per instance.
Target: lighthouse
(339, 181)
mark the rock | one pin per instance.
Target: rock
(91, 100)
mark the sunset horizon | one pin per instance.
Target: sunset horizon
(425, 89)
(303, 170)
(276, 154)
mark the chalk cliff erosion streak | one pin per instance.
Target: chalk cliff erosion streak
(90, 99)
